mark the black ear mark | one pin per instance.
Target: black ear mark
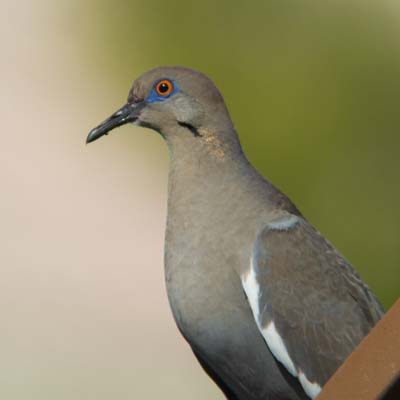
(191, 128)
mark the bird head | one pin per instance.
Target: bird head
(176, 102)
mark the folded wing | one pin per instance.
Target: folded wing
(308, 302)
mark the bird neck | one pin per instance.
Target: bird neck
(201, 172)
(207, 176)
(205, 143)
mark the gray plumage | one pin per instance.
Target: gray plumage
(269, 307)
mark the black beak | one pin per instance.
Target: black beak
(128, 113)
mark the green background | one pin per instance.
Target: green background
(313, 89)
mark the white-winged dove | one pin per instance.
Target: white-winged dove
(268, 305)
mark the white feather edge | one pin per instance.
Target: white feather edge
(271, 336)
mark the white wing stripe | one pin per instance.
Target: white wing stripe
(278, 348)
(252, 290)
(271, 336)
(312, 389)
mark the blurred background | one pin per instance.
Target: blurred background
(314, 90)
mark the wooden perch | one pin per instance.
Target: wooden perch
(372, 371)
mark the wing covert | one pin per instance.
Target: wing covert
(308, 302)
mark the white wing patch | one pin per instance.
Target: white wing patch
(271, 336)
(284, 224)
(312, 389)
(277, 347)
(252, 290)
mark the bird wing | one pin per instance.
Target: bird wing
(308, 302)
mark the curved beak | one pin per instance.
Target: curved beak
(128, 113)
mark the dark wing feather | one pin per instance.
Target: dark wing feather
(319, 305)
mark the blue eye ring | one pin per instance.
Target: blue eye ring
(162, 90)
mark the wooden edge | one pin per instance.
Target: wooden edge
(373, 367)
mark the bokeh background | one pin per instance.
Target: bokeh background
(314, 90)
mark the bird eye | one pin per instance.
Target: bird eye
(164, 87)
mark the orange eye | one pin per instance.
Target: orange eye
(164, 87)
